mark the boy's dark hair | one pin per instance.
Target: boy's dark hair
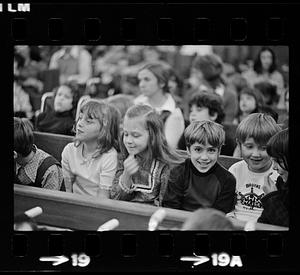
(204, 132)
(260, 127)
(213, 102)
(278, 147)
(267, 90)
(23, 136)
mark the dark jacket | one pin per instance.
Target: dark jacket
(276, 205)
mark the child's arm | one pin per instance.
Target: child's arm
(175, 189)
(164, 177)
(121, 187)
(69, 177)
(226, 199)
(107, 174)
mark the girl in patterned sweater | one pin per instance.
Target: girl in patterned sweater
(145, 159)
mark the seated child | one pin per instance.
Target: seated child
(89, 163)
(145, 158)
(209, 106)
(250, 100)
(61, 119)
(201, 181)
(252, 135)
(276, 200)
(33, 166)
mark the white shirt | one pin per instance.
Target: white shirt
(88, 176)
(248, 191)
(174, 125)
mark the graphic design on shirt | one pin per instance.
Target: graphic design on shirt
(251, 200)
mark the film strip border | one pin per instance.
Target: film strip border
(151, 23)
(151, 251)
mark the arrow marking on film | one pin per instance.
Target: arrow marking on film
(55, 259)
(197, 259)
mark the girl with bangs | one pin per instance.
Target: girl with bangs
(276, 200)
(89, 163)
(145, 158)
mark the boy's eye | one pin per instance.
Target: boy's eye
(263, 148)
(248, 146)
(212, 150)
(197, 149)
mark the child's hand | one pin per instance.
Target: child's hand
(131, 165)
(269, 184)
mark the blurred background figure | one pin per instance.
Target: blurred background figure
(73, 63)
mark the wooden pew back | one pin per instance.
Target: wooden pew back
(53, 144)
(227, 161)
(67, 210)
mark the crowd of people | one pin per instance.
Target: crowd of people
(146, 131)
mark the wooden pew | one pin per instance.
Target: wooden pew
(78, 212)
(53, 144)
(227, 161)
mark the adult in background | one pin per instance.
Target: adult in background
(153, 83)
(265, 69)
(206, 75)
(73, 63)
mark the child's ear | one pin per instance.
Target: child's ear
(214, 116)
(188, 151)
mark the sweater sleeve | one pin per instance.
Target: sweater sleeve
(108, 170)
(69, 177)
(226, 198)
(164, 184)
(119, 191)
(175, 189)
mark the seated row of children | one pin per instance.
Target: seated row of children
(141, 167)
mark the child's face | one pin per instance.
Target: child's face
(255, 155)
(203, 157)
(87, 129)
(200, 113)
(135, 135)
(278, 166)
(63, 99)
(148, 83)
(247, 103)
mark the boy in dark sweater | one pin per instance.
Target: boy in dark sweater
(201, 181)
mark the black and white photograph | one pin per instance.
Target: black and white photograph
(151, 137)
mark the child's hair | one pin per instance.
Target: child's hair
(208, 219)
(109, 119)
(122, 102)
(260, 127)
(157, 144)
(268, 110)
(23, 136)
(257, 96)
(277, 147)
(204, 132)
(161, 72)
(211, 101)
(267, 90)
